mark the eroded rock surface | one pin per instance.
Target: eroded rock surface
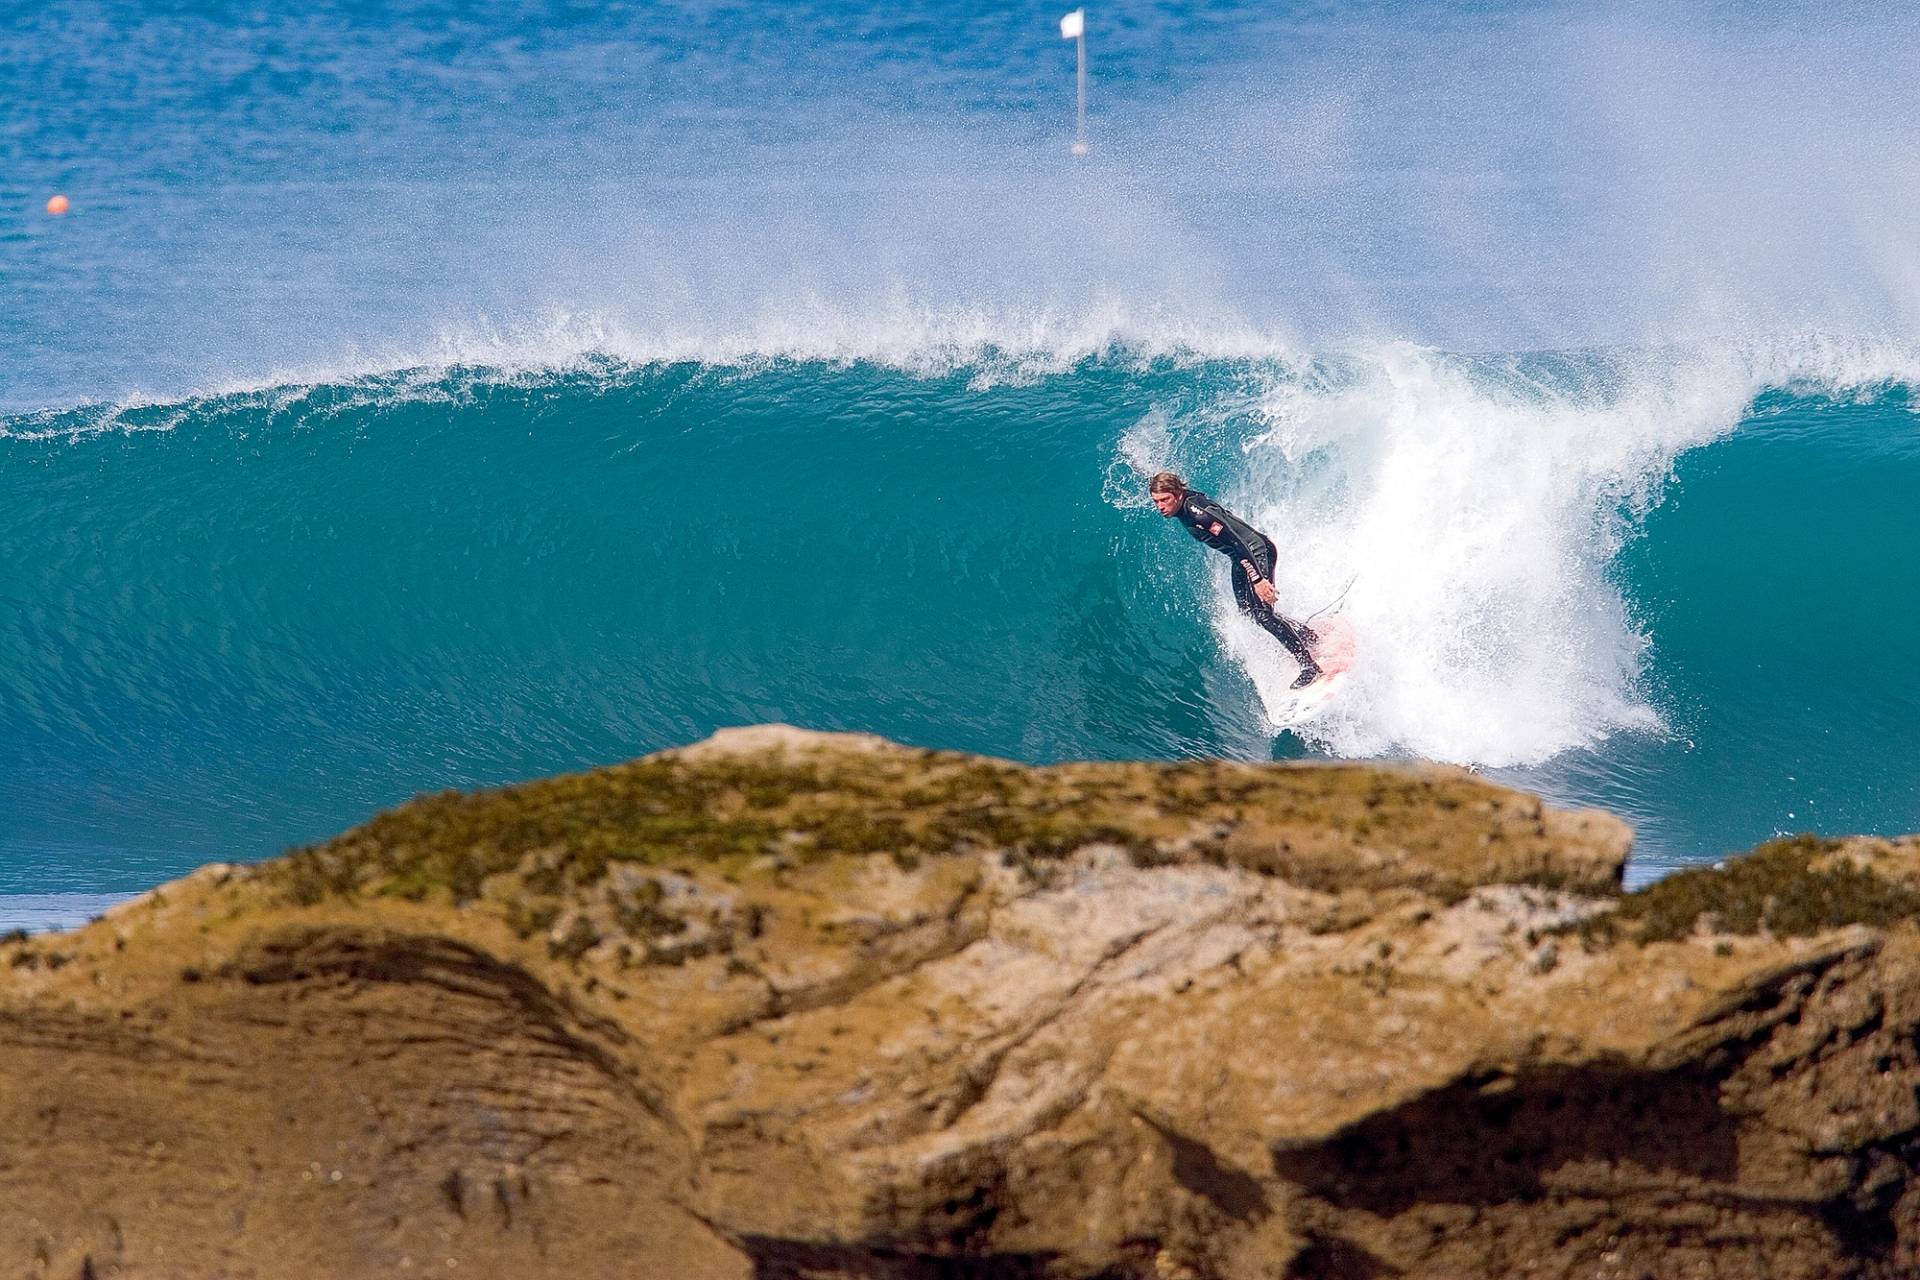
(798, 1005)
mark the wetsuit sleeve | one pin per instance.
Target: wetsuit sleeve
(1262, 562)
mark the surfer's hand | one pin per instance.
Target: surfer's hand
(1264, 590)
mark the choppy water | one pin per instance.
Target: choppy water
(426, 396)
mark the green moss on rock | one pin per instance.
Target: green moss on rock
(829, 797)
(1785, 888)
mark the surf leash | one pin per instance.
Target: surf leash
(1337, 600)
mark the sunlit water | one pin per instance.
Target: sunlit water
(427, 396)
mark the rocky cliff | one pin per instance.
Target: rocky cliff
(795, 1005)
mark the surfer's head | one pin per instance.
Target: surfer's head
(1168, 491)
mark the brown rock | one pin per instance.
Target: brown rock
(798, 1005)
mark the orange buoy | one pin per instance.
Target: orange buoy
(57, 206)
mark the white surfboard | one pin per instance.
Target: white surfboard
(1334, 648)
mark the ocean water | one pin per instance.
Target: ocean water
(424, 396)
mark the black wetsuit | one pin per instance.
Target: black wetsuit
(1254, 556)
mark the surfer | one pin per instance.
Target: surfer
(1253, 555)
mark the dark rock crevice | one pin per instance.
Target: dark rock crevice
(800, 1260)
(1498, 1139)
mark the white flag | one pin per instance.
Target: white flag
(1074, 25)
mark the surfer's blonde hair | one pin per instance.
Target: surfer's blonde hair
(1167, 482)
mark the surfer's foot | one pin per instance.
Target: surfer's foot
(1306, 677)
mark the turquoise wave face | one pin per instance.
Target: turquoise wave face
(283, 612)
(240, 622)
(1778, 586)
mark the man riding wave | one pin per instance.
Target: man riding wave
(1253, 555)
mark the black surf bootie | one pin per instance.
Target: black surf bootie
(1306, 677)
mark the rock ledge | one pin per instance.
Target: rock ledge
(784, 1004)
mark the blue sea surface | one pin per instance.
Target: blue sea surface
(427, 395)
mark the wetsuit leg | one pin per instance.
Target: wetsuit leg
(1262, 612)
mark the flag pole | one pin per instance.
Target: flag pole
(1080, 118)
(1074, 27)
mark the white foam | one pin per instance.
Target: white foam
(991, 345)
(1477, 504)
